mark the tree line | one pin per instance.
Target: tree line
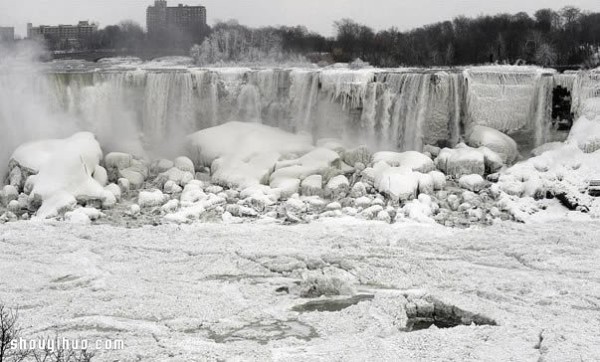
(567, 37)
(549, 38)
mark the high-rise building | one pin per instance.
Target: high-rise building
(7, 34)
(62, 36)
(190, 20)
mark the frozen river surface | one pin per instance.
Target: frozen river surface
(240, 292)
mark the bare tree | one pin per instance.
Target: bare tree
(9, 334)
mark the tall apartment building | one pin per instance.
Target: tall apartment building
(7, 34)
(185, 19)
(62, 36)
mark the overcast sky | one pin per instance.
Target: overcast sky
(317, 15)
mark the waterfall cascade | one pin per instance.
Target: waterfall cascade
(402, 109)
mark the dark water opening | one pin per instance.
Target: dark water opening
(331, 305)
(442, 315)
(562, 117)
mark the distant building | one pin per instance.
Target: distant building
(62, 36)
(190, 20)
(7, 34)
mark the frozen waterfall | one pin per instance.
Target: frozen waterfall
(387, 109)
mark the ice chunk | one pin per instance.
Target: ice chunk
(312, 186)
(398, 183)
(151, 198)
(243, 154)
(416, 161)
(461, 161)
(586, 134)
(495, 140)
(65, 171)
(473, 183)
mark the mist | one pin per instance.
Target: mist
(26, 113)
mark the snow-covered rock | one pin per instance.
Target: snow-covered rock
(411, 159)
(338, 186)
(473, 183)
(460, 161)
(243, 154)
(361, 155)
(8, 194)
(65, 171)
(152, 198)
(495, 140)
(312, 185)
(174, 174)
(171, 187)
(115, 190)
(439, 180)
(100, 175)
(421, 209)
(77, 217)
(286, 186)
(124, 184)
(358, 190)
(398, 183)
(585, 133)
(160, 166)
(184, 164)
(170, 206)
(114, 162)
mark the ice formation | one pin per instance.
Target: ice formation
(61, 172)
(294, 145)
(386, 109)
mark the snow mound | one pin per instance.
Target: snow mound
(495, 141)
(461, 161)
(398, 183)
(564, 172)
(244, 154)
(586, 130)
(414, 160)
(65, 168)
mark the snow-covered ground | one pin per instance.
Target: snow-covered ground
(234, 292)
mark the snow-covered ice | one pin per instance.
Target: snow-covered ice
(210, 291)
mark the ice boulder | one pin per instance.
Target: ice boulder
(398, 183)
(312, 185)
(421, 210)
(100, 175)
(439, 180)
(8, 194)
(360, 154)
(317, 161)
(160, 166)
(244, 154)
(116, 161)
(411, 159)
(473, 183)
(175, 175)
(460, 161)
(585, 133)
(338, 187)
(152, 198)
(496, 141)
(184, 164)
(65, 172)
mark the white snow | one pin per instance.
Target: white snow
(416, 161)
(398, 183)
(473, 183)
(209, 291)
(65, 171)
(494, 140)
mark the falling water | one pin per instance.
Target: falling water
(134, 110)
